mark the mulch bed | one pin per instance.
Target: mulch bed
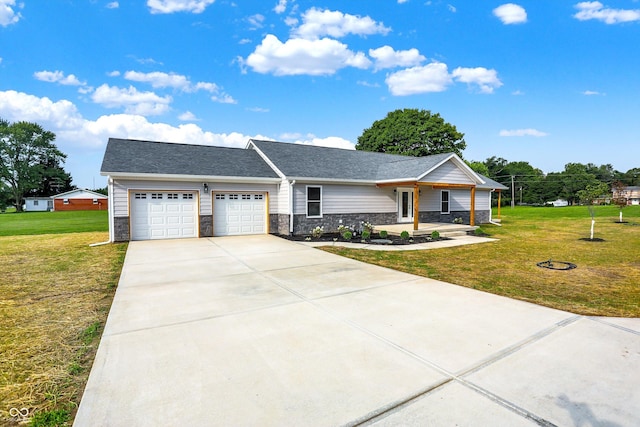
(336, 238)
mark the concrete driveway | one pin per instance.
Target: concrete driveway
(256, 330)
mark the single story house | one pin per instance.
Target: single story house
(80, 200)
(38, 204)
(164, 190)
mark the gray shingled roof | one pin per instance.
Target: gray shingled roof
(309, 161)
(135, 156)
(491, 184)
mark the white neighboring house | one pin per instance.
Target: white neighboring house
(38, 204)
(559, 202)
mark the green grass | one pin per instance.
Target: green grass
(55, 295)
(33, 223)
(606, 282)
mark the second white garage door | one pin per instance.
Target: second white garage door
(239, 213)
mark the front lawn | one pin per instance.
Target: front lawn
(54, 299)
(31, 223)
(605, 283)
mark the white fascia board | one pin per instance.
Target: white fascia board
(332, 181)
(208, 178)
(251, 145)
(458, 162)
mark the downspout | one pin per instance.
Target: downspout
(291, 184)
(110, 208)
(490, 210)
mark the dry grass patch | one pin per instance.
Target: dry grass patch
(606, 282)
(55, 295)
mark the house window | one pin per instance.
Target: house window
(95, 201)
(65, 201)
(35, 203)
(314, 202)
(444, 201)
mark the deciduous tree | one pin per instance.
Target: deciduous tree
(412, 132)
(25, 149)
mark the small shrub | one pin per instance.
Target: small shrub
(366, 234)
(56, 417)
(457, 220)
(347, 235)
(435, 235)
(342, 229)
(384, 234)
(367, 226)
(404, 235)
(317, 232)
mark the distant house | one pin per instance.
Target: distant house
(38, 204)
(80, 200)
(631, 193)
(559, 202)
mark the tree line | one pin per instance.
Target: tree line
(533, 187)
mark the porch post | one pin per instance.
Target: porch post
(416, 206)
(472, 216)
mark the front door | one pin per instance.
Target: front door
(405, 205)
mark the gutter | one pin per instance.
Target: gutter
(291, 184)
(110, 208)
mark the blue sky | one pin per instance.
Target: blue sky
(544, 81)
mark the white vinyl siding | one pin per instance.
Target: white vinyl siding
(448, 173)
(483, 200)
(459, 200)
(337, 199)
(121, 192)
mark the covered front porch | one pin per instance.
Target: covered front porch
(425, 228)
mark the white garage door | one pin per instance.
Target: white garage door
(163, 215)
(239, 213)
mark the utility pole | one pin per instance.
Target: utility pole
(513, 192)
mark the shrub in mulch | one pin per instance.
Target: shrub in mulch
(374, 239)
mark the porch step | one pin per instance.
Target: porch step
(453, 233)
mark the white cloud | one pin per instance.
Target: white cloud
(367, 84)
(387, 57)
(487, 80)
(133, 101)
(592, 93)
(113, 5)
(433, 77)
(317, 23)
(452, 8)
(511, 13)
(331, 141)
(523, 132)
(114, 73)
(187, 116)
(256, 21)
(172, 6)
(159, 79)
(303, 57)
(258, 110)
(223, 98)
(595, 10)
(58, 77)
(21, 106)
(402, 1)
(8, 15)
(280, 7)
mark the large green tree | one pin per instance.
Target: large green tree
(25, 150)
(412, 132)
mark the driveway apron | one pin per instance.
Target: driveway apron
(258, 330)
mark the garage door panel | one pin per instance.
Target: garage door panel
(161, 215)
(239, 213)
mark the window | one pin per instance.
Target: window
(246, 197)
(444, 201)
(258, 197)
(314, 202)
(95, 201)
(233, 197)
(172, 196)
(35, 203)
(65, 201)
(186, 196)
(156, 196)
(219, 196)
